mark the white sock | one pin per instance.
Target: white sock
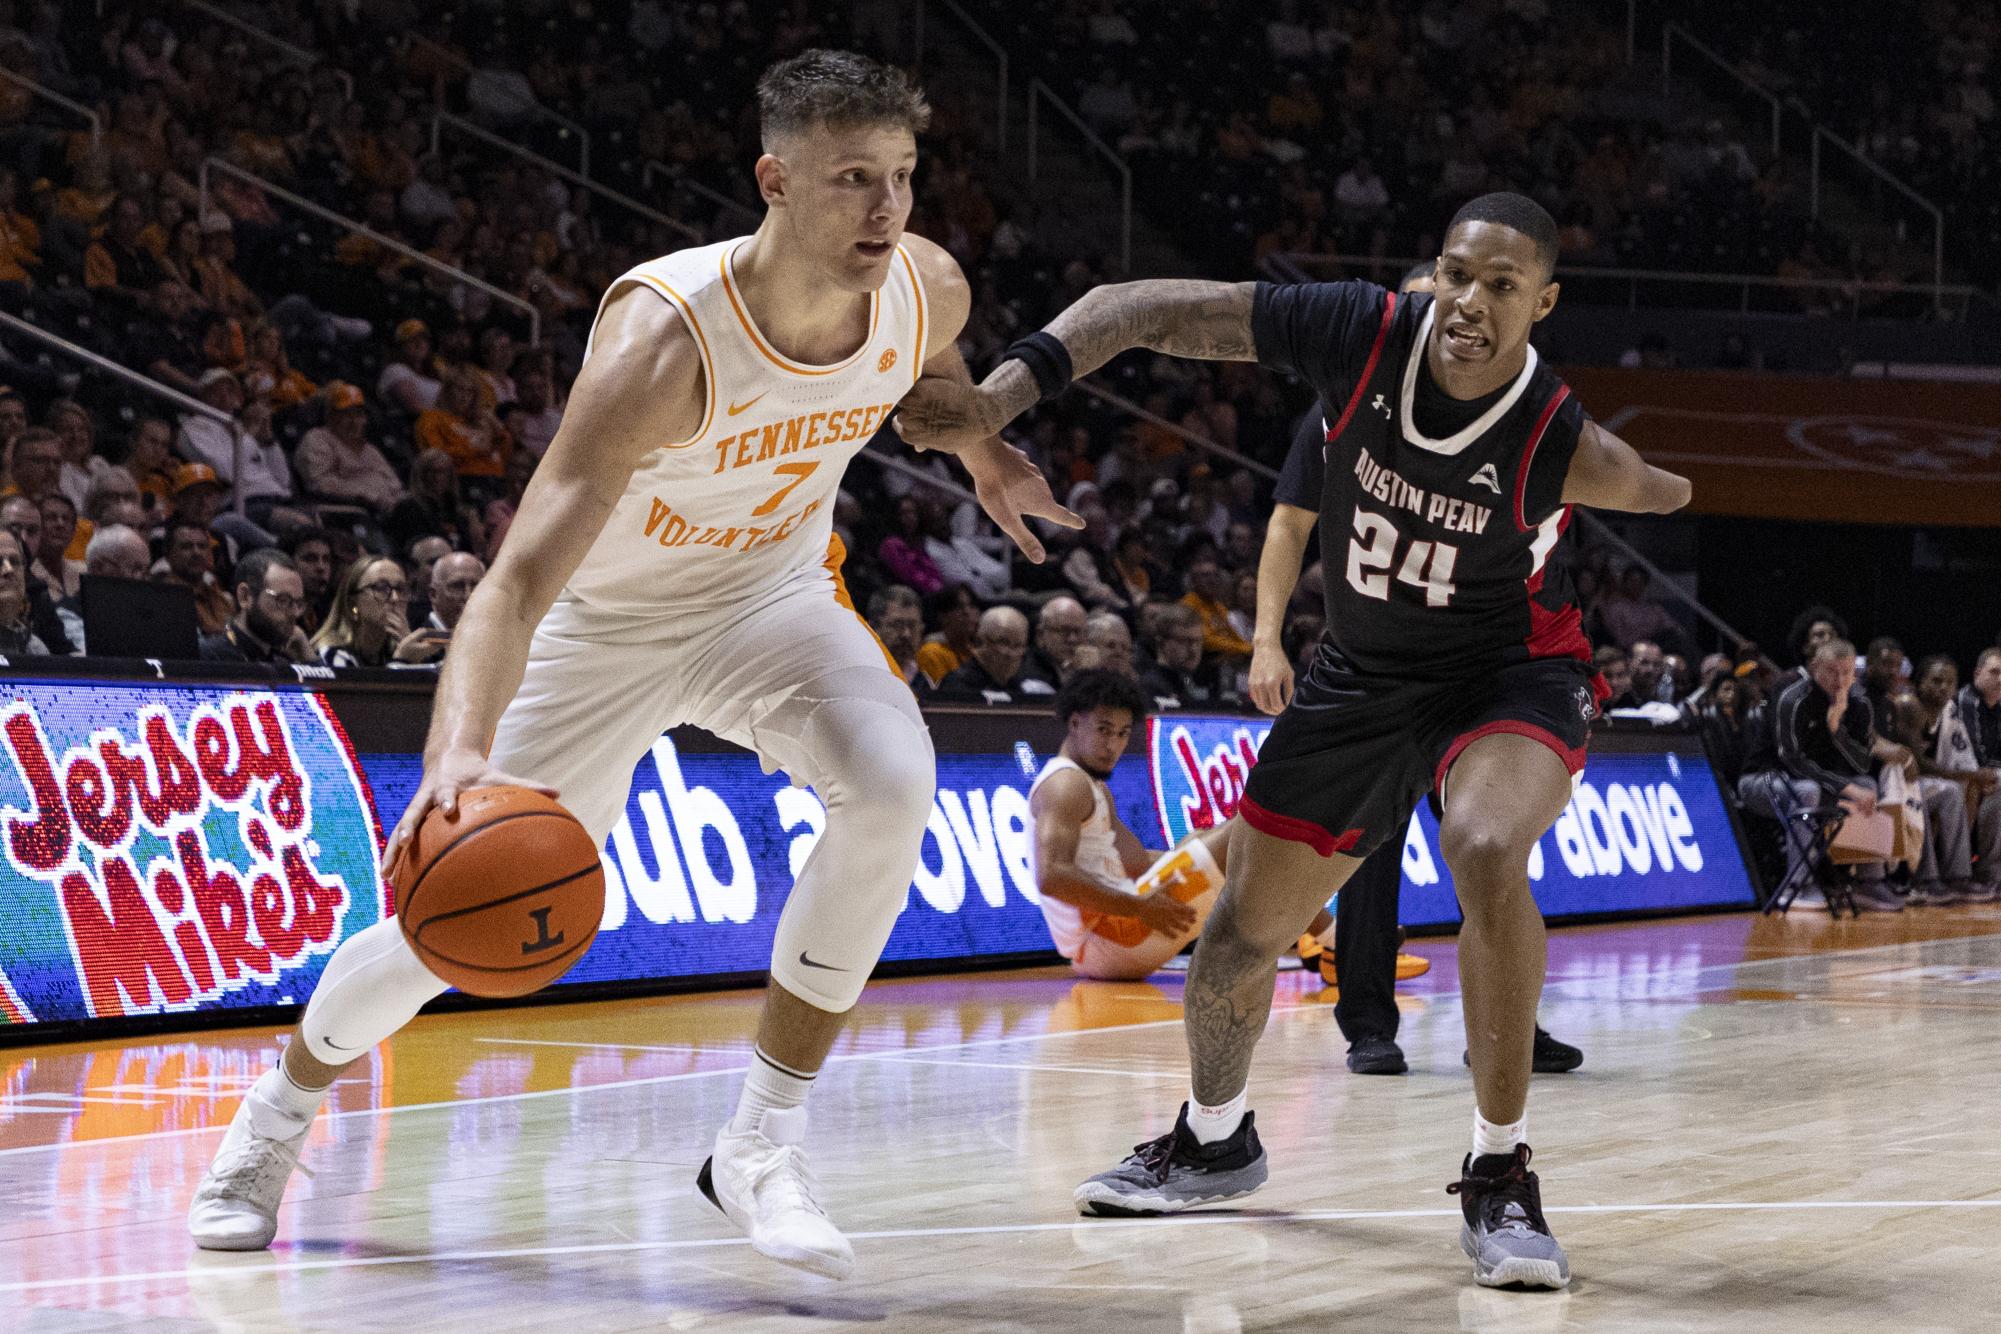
(1491, 1138)
(768, 1087)
(279, 1108)
(1212, 1124)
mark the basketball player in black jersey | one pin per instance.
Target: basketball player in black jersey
(1451, 660)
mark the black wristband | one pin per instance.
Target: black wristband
(1047, 360)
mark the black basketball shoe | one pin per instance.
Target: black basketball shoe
(1376, 1056)
(1504, 1233)
(1551, 1057)
(1176, 1172)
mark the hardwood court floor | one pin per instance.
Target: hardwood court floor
(1780, 1125)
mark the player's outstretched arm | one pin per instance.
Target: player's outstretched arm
(1606, 473)
(1058, 809)
(1210, 321)
(1009, 486)
(641, 388)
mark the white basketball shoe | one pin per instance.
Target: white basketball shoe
(236, 1207)
(760, 1180)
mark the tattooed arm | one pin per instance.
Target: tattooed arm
(1183, 318)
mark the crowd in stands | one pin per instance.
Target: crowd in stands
(1356, 126)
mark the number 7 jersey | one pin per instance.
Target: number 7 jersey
(1436, 553)
(747, 502)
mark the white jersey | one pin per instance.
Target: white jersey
(748, 500)
(1097, 857)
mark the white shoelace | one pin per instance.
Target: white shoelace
(254, 1168)
(786, 1176)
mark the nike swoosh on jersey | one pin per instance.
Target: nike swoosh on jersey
(744, 406)
(810, 964)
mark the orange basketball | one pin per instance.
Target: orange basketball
(503, 895)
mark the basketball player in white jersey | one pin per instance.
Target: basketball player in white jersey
(1116, 909)
(673, 562)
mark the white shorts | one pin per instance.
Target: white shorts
(1121, 949)
(601, 687)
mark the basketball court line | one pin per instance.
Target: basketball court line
(1053, 1069)
(575, 1090)
(222, 1271)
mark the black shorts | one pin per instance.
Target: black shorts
(1351, 757)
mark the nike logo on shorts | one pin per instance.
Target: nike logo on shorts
(744, 406)
(810, 964)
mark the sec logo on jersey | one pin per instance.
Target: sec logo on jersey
(887, 360)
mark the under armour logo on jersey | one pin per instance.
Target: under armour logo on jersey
(1382, 406)
(1587, 707)
(1487, 477)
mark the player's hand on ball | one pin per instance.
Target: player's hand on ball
(1169, 916)
(1011, 489)
(948, 415)
(1271, 678)
(453, 774)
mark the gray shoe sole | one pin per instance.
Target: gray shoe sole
(1105, 1199)
(1516, 1270)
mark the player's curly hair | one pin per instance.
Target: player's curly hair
(1097, 688)
(821, 87)
(1518, 213)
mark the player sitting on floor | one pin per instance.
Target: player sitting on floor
(1107, 923)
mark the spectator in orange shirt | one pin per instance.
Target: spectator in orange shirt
(1208, 587)
(268, 372)
(20, 238)
(215, 276)
(191, 561)
(477, 443)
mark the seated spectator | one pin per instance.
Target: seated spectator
(1244, 604)
(337, 462)
(114, 497)
(150, 460)
(961, 559)
(1631, 615)
(956, 613)
(1208, 587)
(1087, 569)
(38, 464)
(1059, 629)
(169, 344)
(267, 370)
(76, 434)
(267, 476)
(425, 553)
(118, 267)
(1647, 666)
(473, 438)
(13, 416)
(1617, 669)
(409, 383)
(1132, 563)
(265, 628)
(897, 617)
(20, 238)
(1179, 675)
(1978, 707)
(432, 505)
(993, 672)
(494, 375)
(903, 553)
(115, 552)
(190, 562)
(498, 513)
(536, 415)
(453, 579)
(52, 561)
(1822, 733)
(23, 518)
(1107, 632)
(17, 632)
(215, 278)
(311, 550)
(366, 627)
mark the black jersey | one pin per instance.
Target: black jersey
(1436, 552)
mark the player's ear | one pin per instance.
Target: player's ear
(770, 173)
(1545, 300)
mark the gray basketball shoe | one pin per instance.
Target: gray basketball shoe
(1504, 1233)
(1176, 1172)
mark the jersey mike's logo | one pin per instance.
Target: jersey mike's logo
(1200, 766)
(192, 849)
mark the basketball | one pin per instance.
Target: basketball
(503, 895)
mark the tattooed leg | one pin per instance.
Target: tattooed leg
(1273, 888)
